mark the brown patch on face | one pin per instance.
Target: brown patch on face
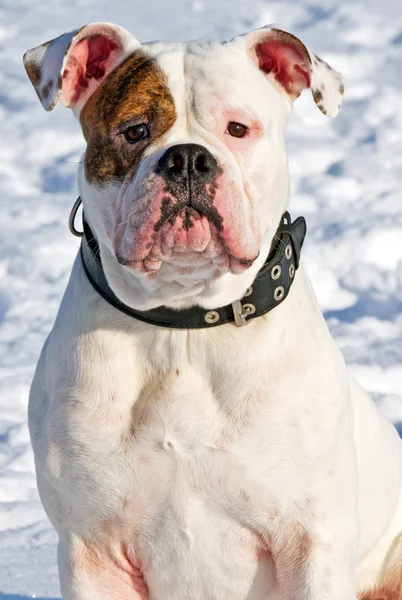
(135, 92)
(341, 88)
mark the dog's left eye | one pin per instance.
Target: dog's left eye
(136, 133)
(237, 129)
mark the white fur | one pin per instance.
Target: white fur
(228, 463)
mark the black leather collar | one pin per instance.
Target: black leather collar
(270, 287)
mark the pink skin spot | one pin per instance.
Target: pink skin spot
(262, 554)
(112, 571)
(261, 551)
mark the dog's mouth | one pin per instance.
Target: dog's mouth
(188, 238)
(190, 213)
(185, 233)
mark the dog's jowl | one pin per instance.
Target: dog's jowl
(180, 454)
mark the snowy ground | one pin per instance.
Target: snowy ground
(346, 180)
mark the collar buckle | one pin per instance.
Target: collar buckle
(241, 312)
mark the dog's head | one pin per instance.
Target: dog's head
(184, 179)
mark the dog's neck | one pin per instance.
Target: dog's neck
(174, 292)
(279, 259)
(301, 299)
(269, 288)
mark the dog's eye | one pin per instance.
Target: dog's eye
(136, 133)
(237, 129)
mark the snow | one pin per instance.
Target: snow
(346, 177)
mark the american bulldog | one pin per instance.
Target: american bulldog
(218, 462)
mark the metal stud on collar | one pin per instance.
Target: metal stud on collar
(288, 251)
(72, 216)
(276, 272)
(279, 293)
(212, 316)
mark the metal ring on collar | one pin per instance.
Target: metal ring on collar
(279, 293)
(276, 272)
(212, 316)
(72, 216)
(248, 309)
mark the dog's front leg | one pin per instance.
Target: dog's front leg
(311, 567)
(89, 573)
(316, 559)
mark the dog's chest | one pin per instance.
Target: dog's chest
(176, 477)
(175, 447)
(194, 499)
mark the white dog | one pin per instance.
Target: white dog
(179, 455)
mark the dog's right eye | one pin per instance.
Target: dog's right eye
(136, 133)
(237, 129)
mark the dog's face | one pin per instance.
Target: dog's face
(184, 179)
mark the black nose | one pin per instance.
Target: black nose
(185, 161)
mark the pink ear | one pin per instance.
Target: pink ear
(73, 65)
(285, 57)
(88, 60)
(292, 68)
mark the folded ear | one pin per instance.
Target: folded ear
(287, 61)
(73, 65)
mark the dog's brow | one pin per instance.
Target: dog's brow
(132, 76)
